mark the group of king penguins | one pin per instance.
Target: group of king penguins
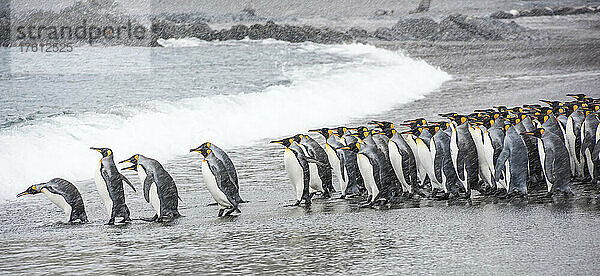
(159, 188)
(502, 152)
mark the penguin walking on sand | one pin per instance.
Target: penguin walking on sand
(513, 162)
(64, 194)
(485, 152)
(159, 187)
(230, 168)
(443, 170)
(323, 173)
(296, 166)
(109, 182)
(554, 159)
(588, 142)
(366, 136)
(218, 181)
(573, 132)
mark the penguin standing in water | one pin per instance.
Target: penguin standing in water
(159, 188)
(337, 161)
(554, 159)
(231, 172)
(443, 169)
(315, 151)
(463, 153)
(513, 162)
(64, 194)
(350, 161)
(218, 180)
(366, 136)
(485, 150)
(109, 182)
(296, 166)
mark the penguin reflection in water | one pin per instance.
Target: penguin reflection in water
(64, 194)
(159, 188)
(109, 182)
(218, 181)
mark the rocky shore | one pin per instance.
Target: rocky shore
(546, 11)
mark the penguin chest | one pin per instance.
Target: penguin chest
(102, 188)
(396, 160)
(213, 188)
(335, 163)
(294, 171)
(542, 154)
(366, 170)
(60, 201)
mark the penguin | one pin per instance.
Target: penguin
(588, 142)
(436, 145)
(495, 132)
(374, 172)
(423, 137)
(315, 151)
(401, 158)
(485, 151)
(355, 181)
(231, 171)
(365, 135)
(296, 166)
(64, 194)
(337, 161)
(109, 182)
(159, 188)
(554, 159)
(218, 180)
(463, 153)
(573, 133)
(442, 160)
(512, 164)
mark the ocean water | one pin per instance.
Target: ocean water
(239, 95)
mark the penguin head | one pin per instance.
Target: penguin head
(389, 132)
(553, 104)
(32, 190)
(134, 159)
(450, 115)
(516, 110)
(340, 131)
(514, 120)
(298, 138)
(578, 97)
(443, 125)
(326, 132)
(506, 127)
(383, 125)
(104, 151)
(354, 147)
(362, 132)
(432, 128)
(286, 142)
(203, 149)
(418, 121)
(414, 131)
(459, 119)
(538, 132)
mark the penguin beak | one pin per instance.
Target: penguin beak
(132, 167)
(23, 193)
(195, 150)
(277, 142)
(528, 133)
(313, 130)
(96, 149)
(344, 148)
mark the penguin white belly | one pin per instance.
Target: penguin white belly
(396, 160)
(507, 175)
(589, 162)
(570, 137)
(103, 190)
(59, 201)
(484, 168)
(316, 185)
(542, 154)
(427, 163)
(213, 188)
(413, 146)
(295, 172)
(335, 163)
(454, 153)
(366, 170)
(154, 200)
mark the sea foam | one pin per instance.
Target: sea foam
(322, 95)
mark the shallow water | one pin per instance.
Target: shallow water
(484, 236)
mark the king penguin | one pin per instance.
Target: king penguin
(315, 151)
(513, 162)
(463, 153)
(573, 132)
(64, 194)
(350, 160)
(443, 168)
(588, 142)
(554, 159)
(337, 162)
(218, 181)
(296, 166)
(109, 182)
(159, 187)
(231, 171)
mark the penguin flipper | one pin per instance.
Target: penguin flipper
(549, 167)
(312, 160)
(224, 182)
(127, 181)
(147, 182)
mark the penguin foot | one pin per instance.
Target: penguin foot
(342, 197)
(125, 220)
(221, 212)
(444, 196)
(212, 204)
(111, 221)
(366, 204)
(152, 219)
(231, 210)
(293, 205)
